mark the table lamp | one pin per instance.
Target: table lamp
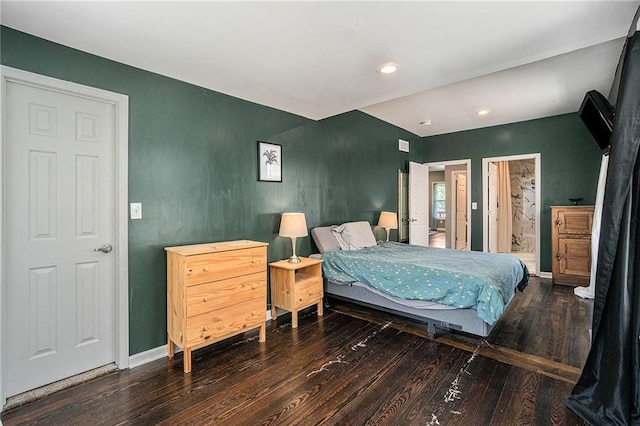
(388, 221)
(293, 225)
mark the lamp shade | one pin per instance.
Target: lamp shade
(293, 225)
(388, 220)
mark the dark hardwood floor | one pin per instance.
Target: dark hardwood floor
(353, 366)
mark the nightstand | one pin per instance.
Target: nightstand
(295, 286)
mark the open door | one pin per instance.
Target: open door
(493, 207)
(418, 204)
(461, 211)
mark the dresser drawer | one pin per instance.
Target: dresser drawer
(217, 325)
(205, 268)
(220, 294)
(308, 292)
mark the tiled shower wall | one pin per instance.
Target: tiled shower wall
(523, 190)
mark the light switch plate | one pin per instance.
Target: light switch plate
(474, 205)
(136, 210)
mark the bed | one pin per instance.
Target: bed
(459, 290)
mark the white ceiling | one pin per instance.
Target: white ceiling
(521, 60)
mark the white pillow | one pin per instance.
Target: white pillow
(354, 235)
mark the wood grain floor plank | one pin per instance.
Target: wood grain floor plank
(326, 389)
(241, 390)
(308, 383)
(392, 391)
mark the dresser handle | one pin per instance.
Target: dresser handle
(558, 223)
(254, 261)
(205, 269)
(206, 298)
(309, 293)
(253, 287)
(559, 256)
(253, 313)
(205, 328)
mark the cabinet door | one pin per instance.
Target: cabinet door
(575, 222)
(574, 257)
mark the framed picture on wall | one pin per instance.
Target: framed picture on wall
(269, 162)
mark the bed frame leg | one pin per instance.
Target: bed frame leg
(431, 331)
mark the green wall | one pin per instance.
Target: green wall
(570, 164)
(192, 165)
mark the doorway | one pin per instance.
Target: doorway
(451, 229)
(64, 293)
(438, 205)
(511, 207)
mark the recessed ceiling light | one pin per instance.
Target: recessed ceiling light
(425, 123)
(388, 68)
(483, 112)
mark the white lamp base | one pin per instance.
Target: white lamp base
(294, 258)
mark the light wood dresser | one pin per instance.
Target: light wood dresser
(571, 244)
(295, 286)
(215, 291)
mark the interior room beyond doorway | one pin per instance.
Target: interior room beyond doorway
(511, 193)
(449, 200)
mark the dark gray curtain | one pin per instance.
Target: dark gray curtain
(608, 392)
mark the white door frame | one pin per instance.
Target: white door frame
(466, 162)
(485, 199)
(121, 105)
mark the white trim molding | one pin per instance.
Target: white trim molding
(149, 356)
(121, 105)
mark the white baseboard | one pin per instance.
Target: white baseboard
(545, 275)
(147, 356)
(156, 353)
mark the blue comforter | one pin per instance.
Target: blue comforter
(463, 279)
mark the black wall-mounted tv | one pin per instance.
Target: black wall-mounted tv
(597, 114)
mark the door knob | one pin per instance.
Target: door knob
(106, 248)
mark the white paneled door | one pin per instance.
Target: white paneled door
(461, 211)
(418, 204)
(59, 205)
